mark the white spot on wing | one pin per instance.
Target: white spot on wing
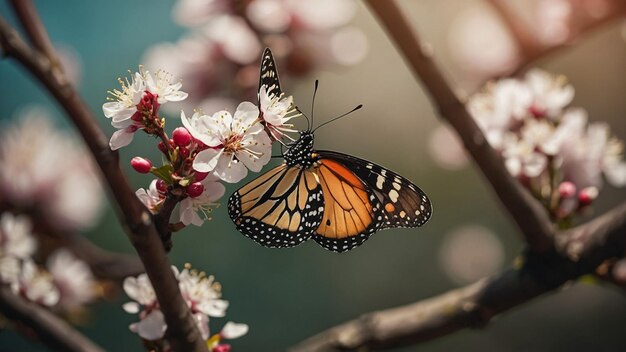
(379, 182)
(393, 194)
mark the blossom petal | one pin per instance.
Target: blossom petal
(121, 138)
(202, 128)
(207, 160)
(214, 307)
(234, 330)
(202, 321)
(229, 170)
(176, 96)
(152, 327)
(131, 307)
(245, 116)
(257, 151)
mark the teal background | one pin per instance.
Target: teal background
(288, 295)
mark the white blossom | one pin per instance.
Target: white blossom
(191, 206)
(36, 285)
(150, 197)
(49, 170)
(276, 111)
(142, 95)
(201, 293)
(236, 143)
(16, 239)
(73, 278)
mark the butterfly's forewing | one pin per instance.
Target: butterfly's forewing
(281, 208)
(351, 212)
(403, 203)
(269, 75)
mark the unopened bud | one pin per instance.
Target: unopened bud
(567, 189)
(587, 195)
(199, 176)
(224, 347)
(141, 165)
(181, 137)
(195, 189)
(162, 147)
(161, 186)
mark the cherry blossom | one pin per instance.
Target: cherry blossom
(151, 197)
(276, 111)
(236, 143)
(73, 278)
(42, 169)
(551, 147)
(201, 292)
(35, 284)
(191, 206)
(136, 105)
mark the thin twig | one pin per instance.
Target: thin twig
(50, 329)
(182, 331)
(36, 32)
(580, 251)
(528, 214)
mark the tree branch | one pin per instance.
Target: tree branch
(182, 331)
(580, 251)
(528, 214)
(53, 331)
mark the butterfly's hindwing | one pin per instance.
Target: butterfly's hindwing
(281, 208)
(351, 213)
(403, 203)
(269, 75)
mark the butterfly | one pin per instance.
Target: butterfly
(337, 199)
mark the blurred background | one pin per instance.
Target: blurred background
(288, 295)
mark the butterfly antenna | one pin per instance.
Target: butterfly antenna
(317, 83)
(338, 117)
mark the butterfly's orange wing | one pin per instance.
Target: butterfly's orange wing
(351, 212)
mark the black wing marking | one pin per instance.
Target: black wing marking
(404, 204)
(269, 74)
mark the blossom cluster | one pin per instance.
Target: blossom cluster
(548, 145)
(217, 56)
(65, 283)
(43, 167)
(207, 149)
(201, 293)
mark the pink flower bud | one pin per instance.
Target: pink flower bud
(195, 189)
(537, 111)
(587, 195)
(162, 147)
(224, 347)
(567, 189)
(141, 165)
(181, 137)
(199, 176)
(161, 186)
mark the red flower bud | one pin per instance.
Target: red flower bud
(587, 195)
(199, 176)
(181, 137)
(567, 189)
(161, 186)
(141, 165)
(162, 147)
(224, 347)
(195, 189)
